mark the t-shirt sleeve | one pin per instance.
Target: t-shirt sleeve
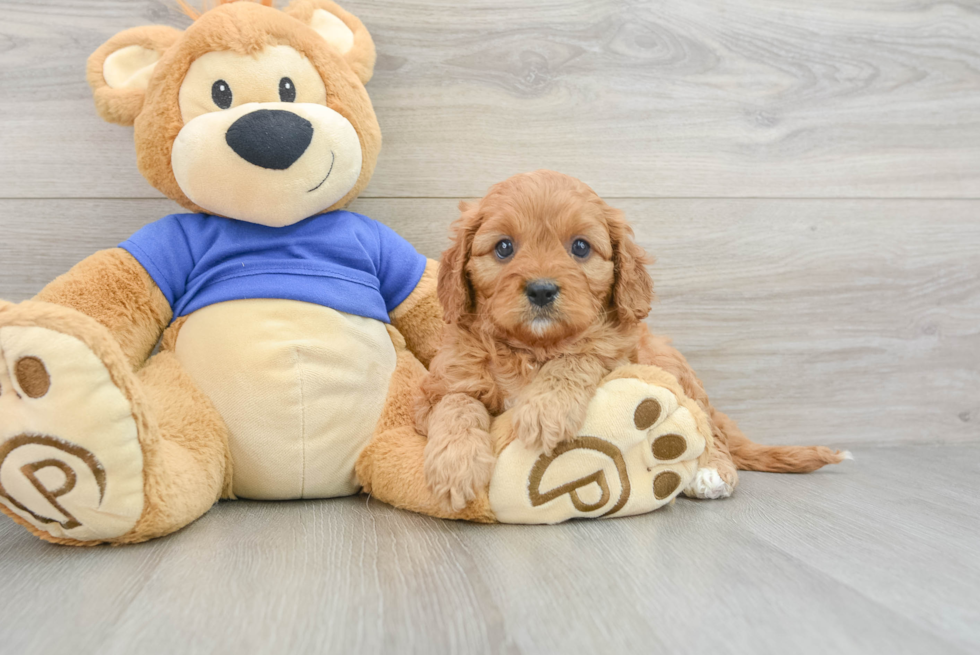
(400, 267)
(163, 250)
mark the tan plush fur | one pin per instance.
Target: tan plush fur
(493, 356)
(111, 287)
(183, 440)
(390, 468)
(244, 28)
(121, 106)
(419, 317)
(192, 467)
(361, 56)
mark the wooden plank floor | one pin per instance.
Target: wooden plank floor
(808, 176)
(875, 557)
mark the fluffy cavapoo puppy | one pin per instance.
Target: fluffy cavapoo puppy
(544, 292)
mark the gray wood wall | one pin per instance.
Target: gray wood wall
(807, 175)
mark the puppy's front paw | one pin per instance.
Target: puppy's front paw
(458, 467)
(542, 427)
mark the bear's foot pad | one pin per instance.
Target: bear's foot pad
(71, 464)
(637, 451)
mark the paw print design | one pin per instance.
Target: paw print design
(71, 464)
(637, 450)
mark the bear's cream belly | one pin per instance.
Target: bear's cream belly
(300, 386)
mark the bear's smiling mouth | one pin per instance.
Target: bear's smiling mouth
(333, 158)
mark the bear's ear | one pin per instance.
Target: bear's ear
(120, 69)
(342, 31)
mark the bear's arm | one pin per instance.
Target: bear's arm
(419, 316)
(114, 289)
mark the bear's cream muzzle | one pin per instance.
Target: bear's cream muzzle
(271, 163)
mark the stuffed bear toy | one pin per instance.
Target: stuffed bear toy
(293, 334)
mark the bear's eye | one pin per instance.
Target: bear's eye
(581, 248)
(504, 248)
(287, 90)
(221, 94)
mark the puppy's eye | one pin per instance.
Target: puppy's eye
(504, 248)
(287, 90)
(221, 94)
(581, 248)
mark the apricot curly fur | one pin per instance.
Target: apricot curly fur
(501, 350)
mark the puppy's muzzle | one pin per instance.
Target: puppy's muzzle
(270, 138)
(541, 293)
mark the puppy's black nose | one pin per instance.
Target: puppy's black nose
(541, 292)
(270, 138)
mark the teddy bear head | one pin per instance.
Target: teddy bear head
(250, 113)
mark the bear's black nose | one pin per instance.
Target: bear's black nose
(541, 292)
(270, 138)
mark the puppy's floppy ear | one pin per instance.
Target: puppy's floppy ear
(343, 31)
(120, 70)
(454, 288)
(633, 286)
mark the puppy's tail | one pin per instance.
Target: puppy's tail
(751, 456)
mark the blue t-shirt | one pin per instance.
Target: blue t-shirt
(340, 260)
